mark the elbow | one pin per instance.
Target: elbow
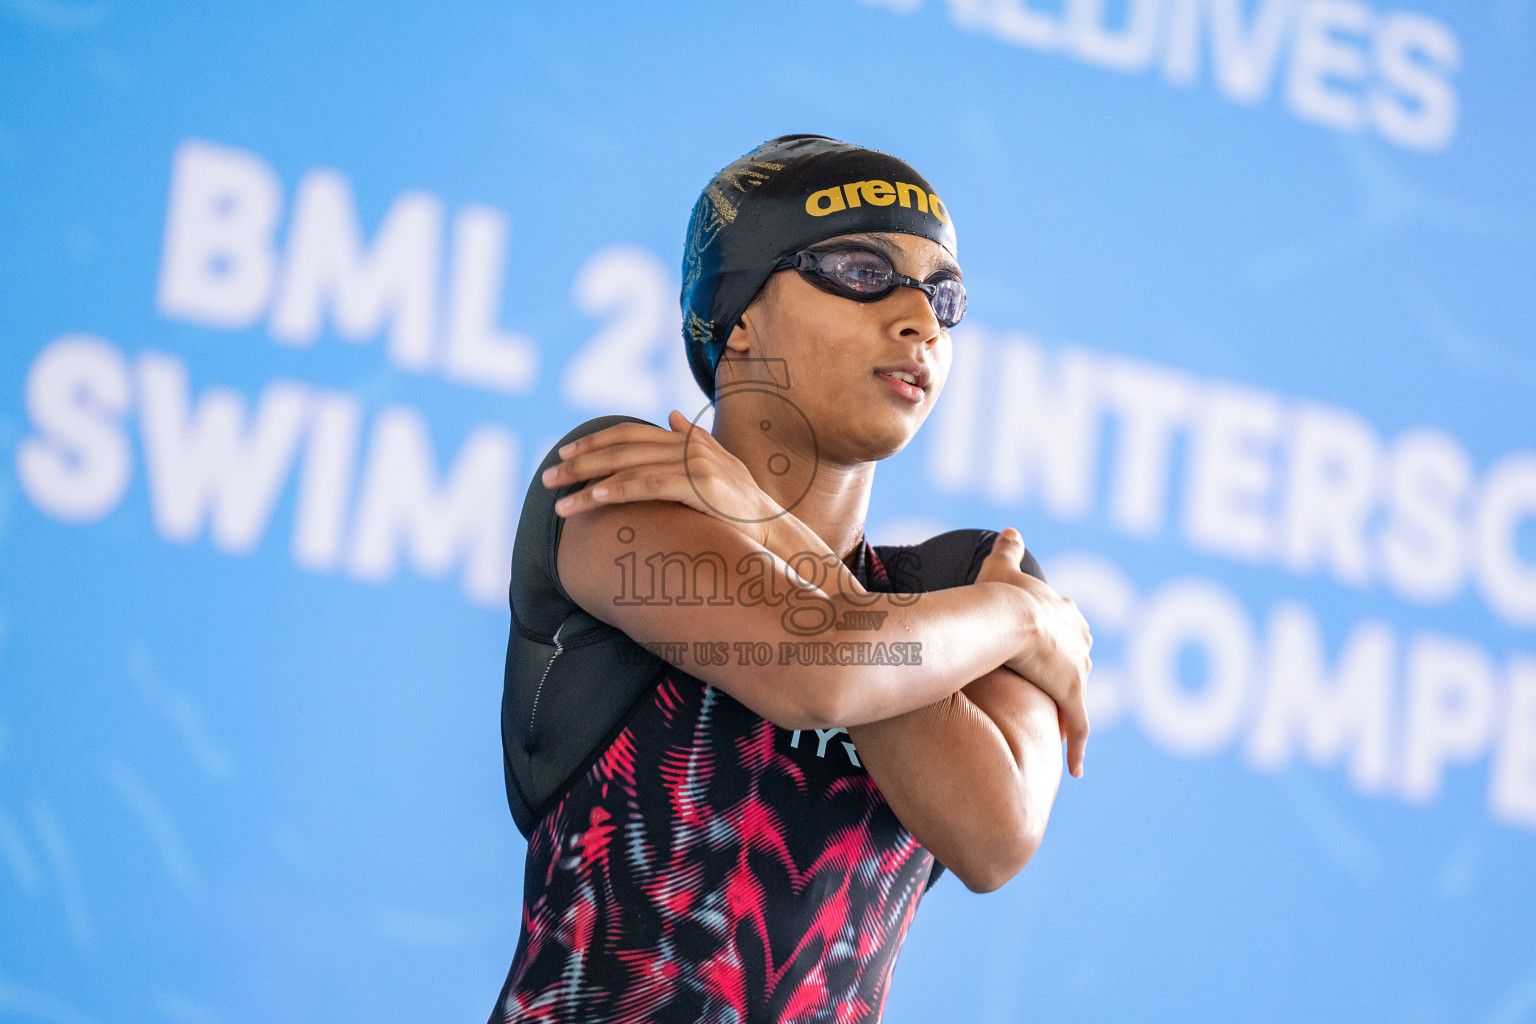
(826, 700)
(814, 700)
(997, 870)
(1005, 856)
(984, 883)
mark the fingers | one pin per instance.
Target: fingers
(619, 433)
(1070, 678)
(590, 465)
(1074, 709)
(1075, 732)
(645, 482)
(627, 433)
(640, 462)
(1003, 563)
(682, 424)
(1008, 546)
(624, 445)
(639, 483)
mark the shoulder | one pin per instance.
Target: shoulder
(943, 561)
(539, 527)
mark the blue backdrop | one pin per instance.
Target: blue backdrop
(296, 296)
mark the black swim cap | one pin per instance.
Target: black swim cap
(786, 194)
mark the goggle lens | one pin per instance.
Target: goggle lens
(947, 300)
(866, 275)
(858, 270)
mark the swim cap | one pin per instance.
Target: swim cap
(786, 194)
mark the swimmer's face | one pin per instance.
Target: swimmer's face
(840, 352)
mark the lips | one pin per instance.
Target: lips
(907, 381)
(911, 371)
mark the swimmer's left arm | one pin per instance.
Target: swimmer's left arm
(972, 776)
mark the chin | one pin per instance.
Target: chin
(884, 437)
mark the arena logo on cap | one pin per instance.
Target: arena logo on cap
(875, 193)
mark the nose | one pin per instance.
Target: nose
(915, 319)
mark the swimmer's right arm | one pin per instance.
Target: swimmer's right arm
(632, 463)
(961, 633)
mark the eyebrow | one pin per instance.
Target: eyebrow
(895, 252)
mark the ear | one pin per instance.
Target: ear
(738, 345)
(745, 334)
(742, 336)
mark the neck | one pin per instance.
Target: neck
(837, 500)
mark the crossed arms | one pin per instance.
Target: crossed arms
(965, 744)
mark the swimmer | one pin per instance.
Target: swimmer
(715, 835)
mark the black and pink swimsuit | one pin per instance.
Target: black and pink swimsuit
(710, 866)
(689, 862)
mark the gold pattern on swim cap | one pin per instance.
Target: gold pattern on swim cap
(705, 230)
(700, 332)
(741, 177)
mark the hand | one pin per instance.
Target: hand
(640, 462)
(1055, 657)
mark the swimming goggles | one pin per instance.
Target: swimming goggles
(867, 275)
